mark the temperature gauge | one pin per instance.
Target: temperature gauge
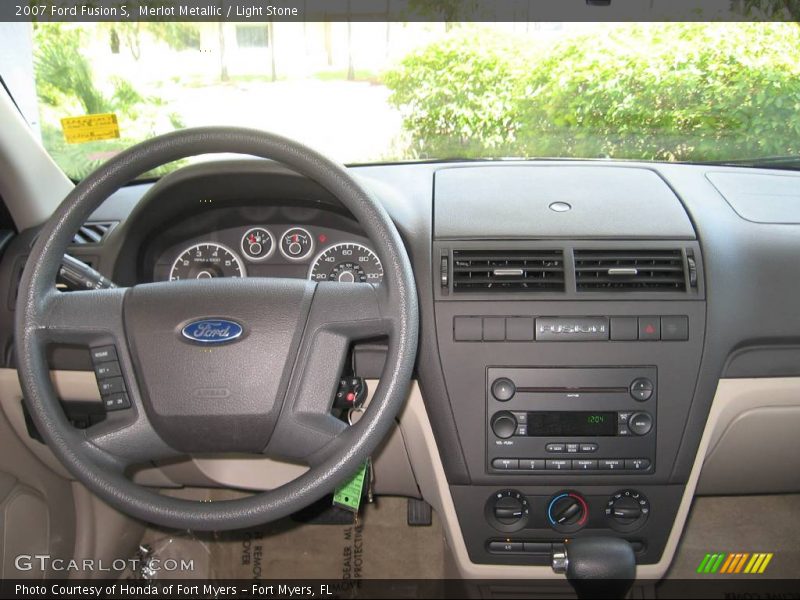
(297, 244)
(258, 244)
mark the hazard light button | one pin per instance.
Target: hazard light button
(649, 328)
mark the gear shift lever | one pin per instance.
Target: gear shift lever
(597, 567)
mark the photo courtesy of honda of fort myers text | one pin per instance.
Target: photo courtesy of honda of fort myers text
(378, 83)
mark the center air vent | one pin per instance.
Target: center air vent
(629, 270)
(508, 271)
(92, 233)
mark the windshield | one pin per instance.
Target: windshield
(378, 92)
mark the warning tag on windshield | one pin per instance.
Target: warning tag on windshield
(90, 128)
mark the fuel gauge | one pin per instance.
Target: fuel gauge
(297, 244)
(258, 244)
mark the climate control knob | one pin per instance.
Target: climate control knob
(567, 512)
(504, 424)
(507, 510)
(627, 510)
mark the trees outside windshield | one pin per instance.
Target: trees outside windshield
(366, 92)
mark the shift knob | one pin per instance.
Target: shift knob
(600, 567)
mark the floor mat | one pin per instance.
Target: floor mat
(749, 524)
(381, 545)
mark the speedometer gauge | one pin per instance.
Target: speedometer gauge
(207, 260)
(347, 262)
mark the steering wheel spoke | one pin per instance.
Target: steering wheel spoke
(90, 317)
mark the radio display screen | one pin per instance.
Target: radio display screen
(572, 423)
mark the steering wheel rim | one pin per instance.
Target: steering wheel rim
(45, 315)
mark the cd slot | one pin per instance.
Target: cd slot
(572, 390)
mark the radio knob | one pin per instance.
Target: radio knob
(640, 423)
(503, 389)
(504, 424)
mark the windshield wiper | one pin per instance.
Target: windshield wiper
(788, 162)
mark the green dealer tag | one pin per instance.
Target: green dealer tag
(348, 495)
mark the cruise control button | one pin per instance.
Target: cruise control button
(113, 385)
(554, 447)
(107, 369)
(505, 464)
(584, 464)
(637, 464)
(116, 402)
(611, 464)
(558, 464)
(505, 547)
(103, 354)
(531, 464)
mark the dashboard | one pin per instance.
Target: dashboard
(577, 318)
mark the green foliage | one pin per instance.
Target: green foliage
(776, 9)
(61, 69)
(178, 36)
(457, 96)
(683, 91)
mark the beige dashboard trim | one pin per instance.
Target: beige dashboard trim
(733, 396)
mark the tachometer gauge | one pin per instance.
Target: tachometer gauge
(258, 244)
(207, 260)
(297, 244)
(347, 262)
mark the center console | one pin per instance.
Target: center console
(570, 347)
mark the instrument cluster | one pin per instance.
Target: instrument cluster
(272, 250)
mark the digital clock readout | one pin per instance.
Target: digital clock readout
(571, 423)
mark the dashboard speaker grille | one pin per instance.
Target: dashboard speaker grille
(92, 233)
(630, 270)
(508, 271)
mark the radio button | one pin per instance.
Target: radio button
(522, 430)
(640, 423)
(504, 425)
(637, 464)
(641, 389)
(572, 448)
(588, 447)
(505, 464)
(521, 417)
(611, 464)
(531, 464)
(503, 389)
(558, 464)
(554, 447)
(584, 464)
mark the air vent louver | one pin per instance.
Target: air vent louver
(508, 271)
(629, 270)
(92, 233)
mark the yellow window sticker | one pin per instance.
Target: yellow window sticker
(90, 128)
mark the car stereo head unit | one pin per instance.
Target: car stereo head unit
(545, 420)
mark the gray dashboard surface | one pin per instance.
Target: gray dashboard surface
(513, 201)
(760, 198)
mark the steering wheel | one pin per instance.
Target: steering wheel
(268, 391)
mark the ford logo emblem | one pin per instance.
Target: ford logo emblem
(212, 331)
